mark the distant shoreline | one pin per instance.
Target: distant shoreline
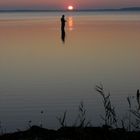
(129, 9)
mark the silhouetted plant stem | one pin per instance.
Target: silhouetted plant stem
(129, 118)
(110, 118)
(62, 120)
(30, 123)
(82, 116)
(136, 111)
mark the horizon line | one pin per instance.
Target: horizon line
(75, 10)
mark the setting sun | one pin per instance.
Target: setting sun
(70, 7)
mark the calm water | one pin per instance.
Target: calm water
(40, 72)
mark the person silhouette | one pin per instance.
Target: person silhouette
(63, 21)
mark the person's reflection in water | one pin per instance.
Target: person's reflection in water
(63, 21)
(63, 35)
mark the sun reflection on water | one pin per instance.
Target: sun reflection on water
(70, 23)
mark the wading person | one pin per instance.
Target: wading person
(63, 21)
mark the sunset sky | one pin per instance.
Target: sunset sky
(62, 4)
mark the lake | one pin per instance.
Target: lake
(40, 72)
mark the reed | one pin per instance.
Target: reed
(109, 118)
(135, 111)
(82, 116)
(62, 119)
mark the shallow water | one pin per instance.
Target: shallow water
(40, 72)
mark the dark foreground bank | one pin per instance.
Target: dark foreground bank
(72, 133)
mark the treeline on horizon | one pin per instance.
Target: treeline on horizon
(75, 10)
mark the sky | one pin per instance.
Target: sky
(62, 4)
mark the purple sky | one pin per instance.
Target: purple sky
(62, 4)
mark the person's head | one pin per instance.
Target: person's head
(63, 16)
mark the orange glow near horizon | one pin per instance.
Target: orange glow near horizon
(70, 8)
(63, 4)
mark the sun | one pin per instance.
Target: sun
(70, 8)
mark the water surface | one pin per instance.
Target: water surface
(40, 72)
